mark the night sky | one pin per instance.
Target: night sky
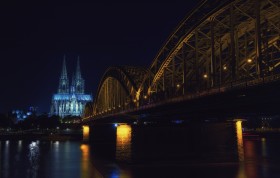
(34, 38)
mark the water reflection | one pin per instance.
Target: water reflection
(84, 160)
(264, 149)
(6, 158)
(33, 155)
(240, 148)
(123, 146)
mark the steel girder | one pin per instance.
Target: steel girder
(117, 89)
(214, 46)
(218, 43)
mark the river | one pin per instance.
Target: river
(252, 157)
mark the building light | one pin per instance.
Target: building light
(145, 96)
(178, 85)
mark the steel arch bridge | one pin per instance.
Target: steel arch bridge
(218, 46)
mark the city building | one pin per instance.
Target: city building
(70, 100)
(20, 115)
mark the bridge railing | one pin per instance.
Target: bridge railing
(211, 91)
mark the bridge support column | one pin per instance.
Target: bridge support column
(86, 133)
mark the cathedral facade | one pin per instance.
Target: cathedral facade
(70, 100)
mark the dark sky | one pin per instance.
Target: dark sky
(34, 38)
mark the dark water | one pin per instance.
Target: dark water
(138, 153)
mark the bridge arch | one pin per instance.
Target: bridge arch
(117, 89)
(218, 43)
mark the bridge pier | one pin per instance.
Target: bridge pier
(205, 141)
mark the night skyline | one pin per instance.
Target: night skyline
(35, 38)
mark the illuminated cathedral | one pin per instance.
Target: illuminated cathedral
(70, 100)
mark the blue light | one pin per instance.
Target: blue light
(178, 121)
(116, 125)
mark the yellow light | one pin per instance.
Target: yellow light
(178, 85)
(84, 148)
(123, 131)
(239, 136)
(134, 100)
(123, 149)
(145, 96)
(225, 67)
(249, 60)
(85, 133)
(205, 76)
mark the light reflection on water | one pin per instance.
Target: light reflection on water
(239, 136)
(74, 159)
(33, 156)
(123, 147)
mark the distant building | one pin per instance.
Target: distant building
(70, 100)
(20, 115)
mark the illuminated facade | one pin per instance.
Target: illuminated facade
(70, 100)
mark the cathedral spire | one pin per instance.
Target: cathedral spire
(64, 70)
(63, 81)
(78, 70)
(79, 81)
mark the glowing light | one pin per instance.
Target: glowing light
(85, 165)
(134, 100)
(205, 76)
(239, 136)
(85, 133)
(123, 149)
(249, 60)
(116, 125)
(84, 148)
(178, 85)
(145, 96)
(225, 67)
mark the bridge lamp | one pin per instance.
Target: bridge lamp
(205, 76)
(225, 67)
(249, 60)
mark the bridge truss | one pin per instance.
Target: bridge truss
(219, 43)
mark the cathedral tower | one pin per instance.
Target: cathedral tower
(78, 82)
(63, 86)
(70, 101)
